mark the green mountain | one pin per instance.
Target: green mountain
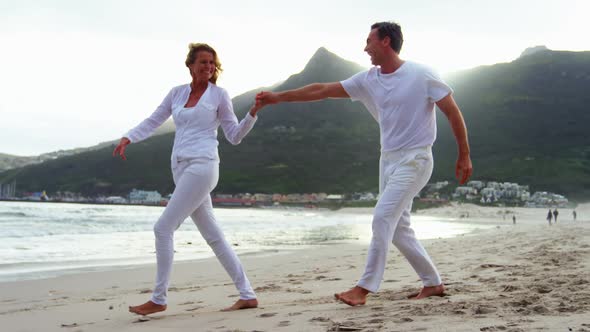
(525, 118)
(8, 161)
(527, 121)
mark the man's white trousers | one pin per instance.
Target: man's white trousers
(402, 174)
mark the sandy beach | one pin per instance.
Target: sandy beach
(524, 277)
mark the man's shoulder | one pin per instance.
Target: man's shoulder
(420, 68)
(362, 73)
(373, 71)
(365, 75)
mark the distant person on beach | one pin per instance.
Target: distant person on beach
(198, 109)
(549, 216)
(574, 214)
(513, 219)
(555, 214)
(401, 95)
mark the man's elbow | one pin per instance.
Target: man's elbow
(234, 141)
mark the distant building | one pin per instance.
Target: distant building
(321, 196)
(262, 197)
(36, 196)
(115, 200)
(143, 197)
(476, 184)
(294, 198)
(8, 190)
(335, 198)
(547, 199)
(493, 185)
(233, 201)
(364, 196)
(464, 191)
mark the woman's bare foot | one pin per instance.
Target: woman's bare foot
(242, 304)
(429, 291)
(355, 296)
(147, 308)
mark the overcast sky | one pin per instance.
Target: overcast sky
(75, 73)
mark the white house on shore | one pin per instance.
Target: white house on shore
(115, 200)
(142, 196)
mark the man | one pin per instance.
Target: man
(401, 96)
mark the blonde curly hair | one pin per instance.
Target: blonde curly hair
(194, 49)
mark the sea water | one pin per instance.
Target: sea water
(42, 239)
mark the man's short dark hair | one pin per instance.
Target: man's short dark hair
(391, 30)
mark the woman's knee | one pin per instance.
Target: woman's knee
(214, 240)
(382, 215)
(163, 228)
(399, 241)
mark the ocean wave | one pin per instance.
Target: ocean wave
(13, 214)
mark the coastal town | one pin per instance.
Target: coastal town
(490, 193)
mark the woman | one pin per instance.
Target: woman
(198, 109)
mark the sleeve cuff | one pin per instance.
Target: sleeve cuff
(130, 137)
(251, 118)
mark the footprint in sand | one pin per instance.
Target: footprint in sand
(320, 319)
(69, 325)
(284, 323)
(482, 310)
(540, 309)
(194, 308)
(543, 289)
(510, 288)
(267, 288)
(267, 314)
(494, 328)
(97, 300)
(580, 282)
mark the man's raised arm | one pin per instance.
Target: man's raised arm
(311, 92)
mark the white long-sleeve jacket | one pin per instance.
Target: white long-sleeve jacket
(196, 127)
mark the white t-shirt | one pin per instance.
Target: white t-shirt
(402, 103)
(196, 127)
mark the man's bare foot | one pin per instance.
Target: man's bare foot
(242, 304)
(147, 308)
(355, 296)
(429, 291)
